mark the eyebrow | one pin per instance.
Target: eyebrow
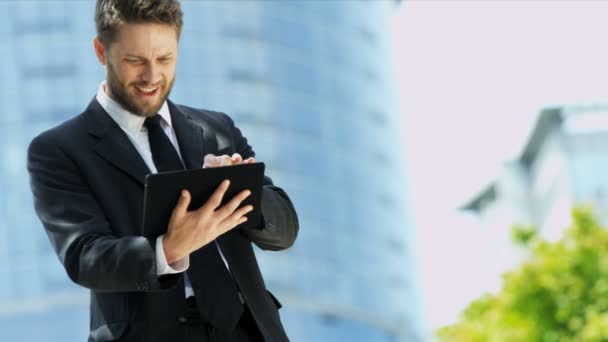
(170, 54)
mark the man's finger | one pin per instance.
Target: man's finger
(210, 161)
(182, 203)
(216, 199)
(241, 212)
(236, 158)
(225, 160)
(234, 203)
(234, 220)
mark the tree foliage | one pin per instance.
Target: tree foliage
(559, 294)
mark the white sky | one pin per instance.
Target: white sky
(472, 75)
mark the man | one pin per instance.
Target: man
(200, 280)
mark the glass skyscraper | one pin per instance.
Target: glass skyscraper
(310, 85)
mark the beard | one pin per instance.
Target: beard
(119, 92)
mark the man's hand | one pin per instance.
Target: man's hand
(214, 161)
(190, 230)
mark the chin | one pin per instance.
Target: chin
(151, 110)
(147, 108)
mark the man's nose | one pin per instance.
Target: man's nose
(151, 74)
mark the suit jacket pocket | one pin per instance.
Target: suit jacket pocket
(108, 332)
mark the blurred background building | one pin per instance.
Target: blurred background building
(310, 85)
(562, 165)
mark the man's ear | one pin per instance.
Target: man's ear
(100, 51)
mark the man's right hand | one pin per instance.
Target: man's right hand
(190, 230)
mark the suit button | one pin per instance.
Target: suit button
(182, 319)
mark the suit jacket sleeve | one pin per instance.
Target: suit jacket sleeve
(79, 231)
(280, 226)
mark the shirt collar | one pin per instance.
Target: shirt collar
(128, 121)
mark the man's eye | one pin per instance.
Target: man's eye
(133, 60)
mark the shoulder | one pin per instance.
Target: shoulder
(66, 132)
(205, 116)
(53, 149)
(217, 126)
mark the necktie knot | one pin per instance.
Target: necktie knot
(152, 121)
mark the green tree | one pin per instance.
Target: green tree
(560, 293)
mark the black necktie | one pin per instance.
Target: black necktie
(163, 153)
(216, 294)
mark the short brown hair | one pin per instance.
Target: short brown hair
(110, 14)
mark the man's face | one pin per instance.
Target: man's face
(140, 66)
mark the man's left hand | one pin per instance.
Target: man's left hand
(211, 160)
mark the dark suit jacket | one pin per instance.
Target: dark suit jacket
(88, 183)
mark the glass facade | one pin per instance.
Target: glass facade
(310, 85)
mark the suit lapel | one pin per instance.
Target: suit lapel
(114, 145)
(189, 137)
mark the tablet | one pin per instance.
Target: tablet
(163, 189)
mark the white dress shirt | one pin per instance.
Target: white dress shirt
(133, 126)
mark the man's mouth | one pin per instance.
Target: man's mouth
(147, 91)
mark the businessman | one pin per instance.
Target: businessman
(200, 280)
